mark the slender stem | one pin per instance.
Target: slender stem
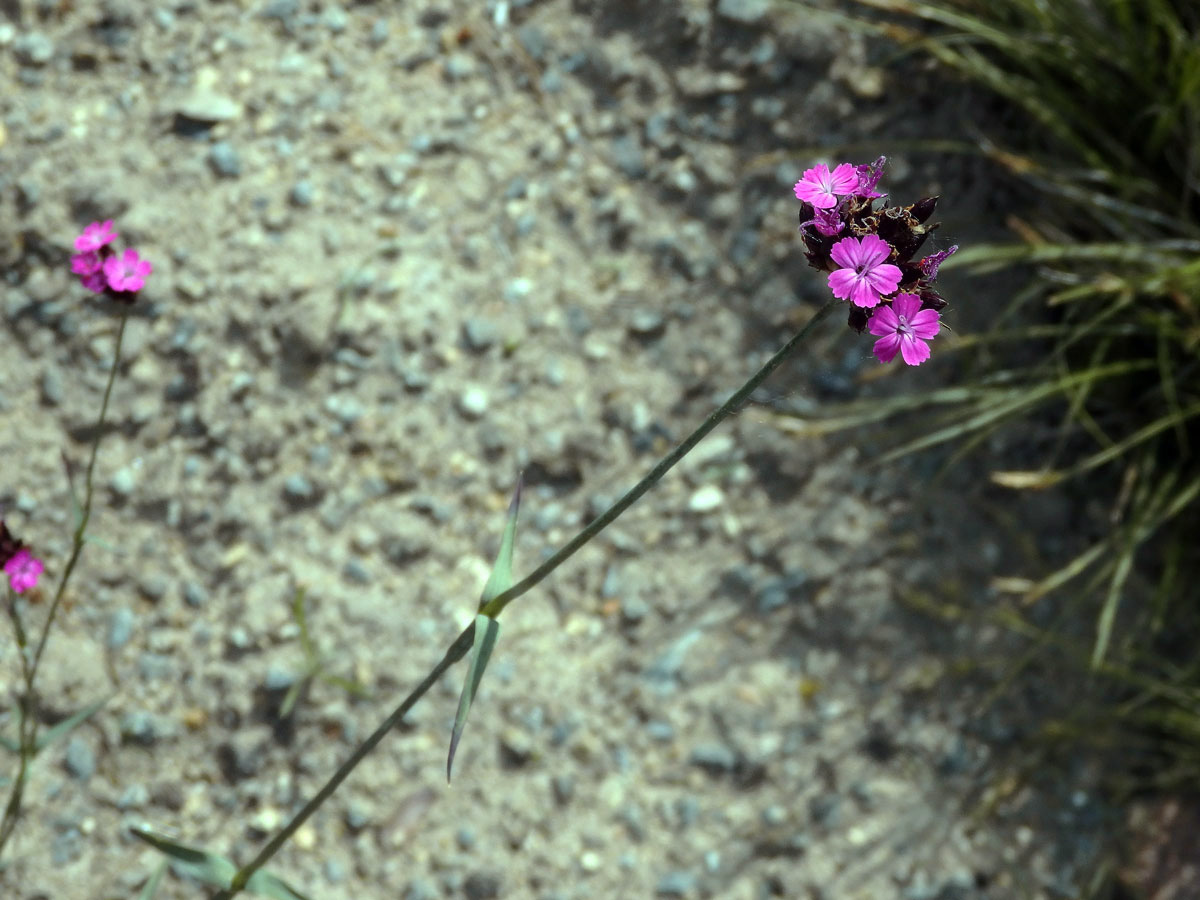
(27, 725)
(453, 654)
(463, 642)
(664, 465)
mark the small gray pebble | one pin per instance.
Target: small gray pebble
(134, 797)
(52, 388)
(479, 334)
(356, 570)
(747, 12)
(715, 759)
(563, 787)
(675, 884)
(120, 628)
(34, 49)
(66, 848)
(473, 402)
(298, 490)
(140, 728)
(302, 194)
(482, 886)
(80, 760)
(465, 838)
(155, 667)
(419, 889)
(335, 872)
(154, 587)
(123, 482)
(194, 595)
(647, 323)
(224, 160)
(658, 730)
(628, 156)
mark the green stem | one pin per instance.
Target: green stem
(463, 642)
(27, 726)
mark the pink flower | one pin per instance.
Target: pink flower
(904, 327)
(821, 188)
(865, 277)
(126, 272)
(90, 269)
(96, 236)
(23, 570)
(930, 264)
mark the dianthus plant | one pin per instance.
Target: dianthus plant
(118, 278)
(867, 253)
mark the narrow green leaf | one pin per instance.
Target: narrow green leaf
(268, 885)
(487, 630)
(153, 882)
(199, 864)
(67, 725)
(501, 578)
(213, 869)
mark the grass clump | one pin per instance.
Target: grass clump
(1097, 360)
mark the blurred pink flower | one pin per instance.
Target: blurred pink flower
(95, 236)
(865, 277)
(90, 269)
(821, 188)
(905, 328)
(127, 272)
(23, 570)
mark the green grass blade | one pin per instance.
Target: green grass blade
(206, 867)
(501, 578)
(487, 630)
(152, 883)
(67, 725)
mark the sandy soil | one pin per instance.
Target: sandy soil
(402, 252)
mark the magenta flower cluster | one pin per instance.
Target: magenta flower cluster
(103, 270)
(21, 566)
(868, 254)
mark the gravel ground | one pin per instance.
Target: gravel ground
(403, 252)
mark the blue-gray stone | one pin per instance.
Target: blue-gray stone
(223, 158)
(80, 760)
(120, 628)
(675, 884)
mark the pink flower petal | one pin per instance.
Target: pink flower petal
(925, 324)
(883, 322)
(906, 305)
(873, 250)
(863, 294)
(884, 278)
(844, 179)
(887, 347)
(844, 252)
(842, 283)
(914, 351)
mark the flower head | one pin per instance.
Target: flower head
(23, 570)
(95, 236)
(821, 188)
(930, 264)
(127, 272)
(904, 328)
(864, 277)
